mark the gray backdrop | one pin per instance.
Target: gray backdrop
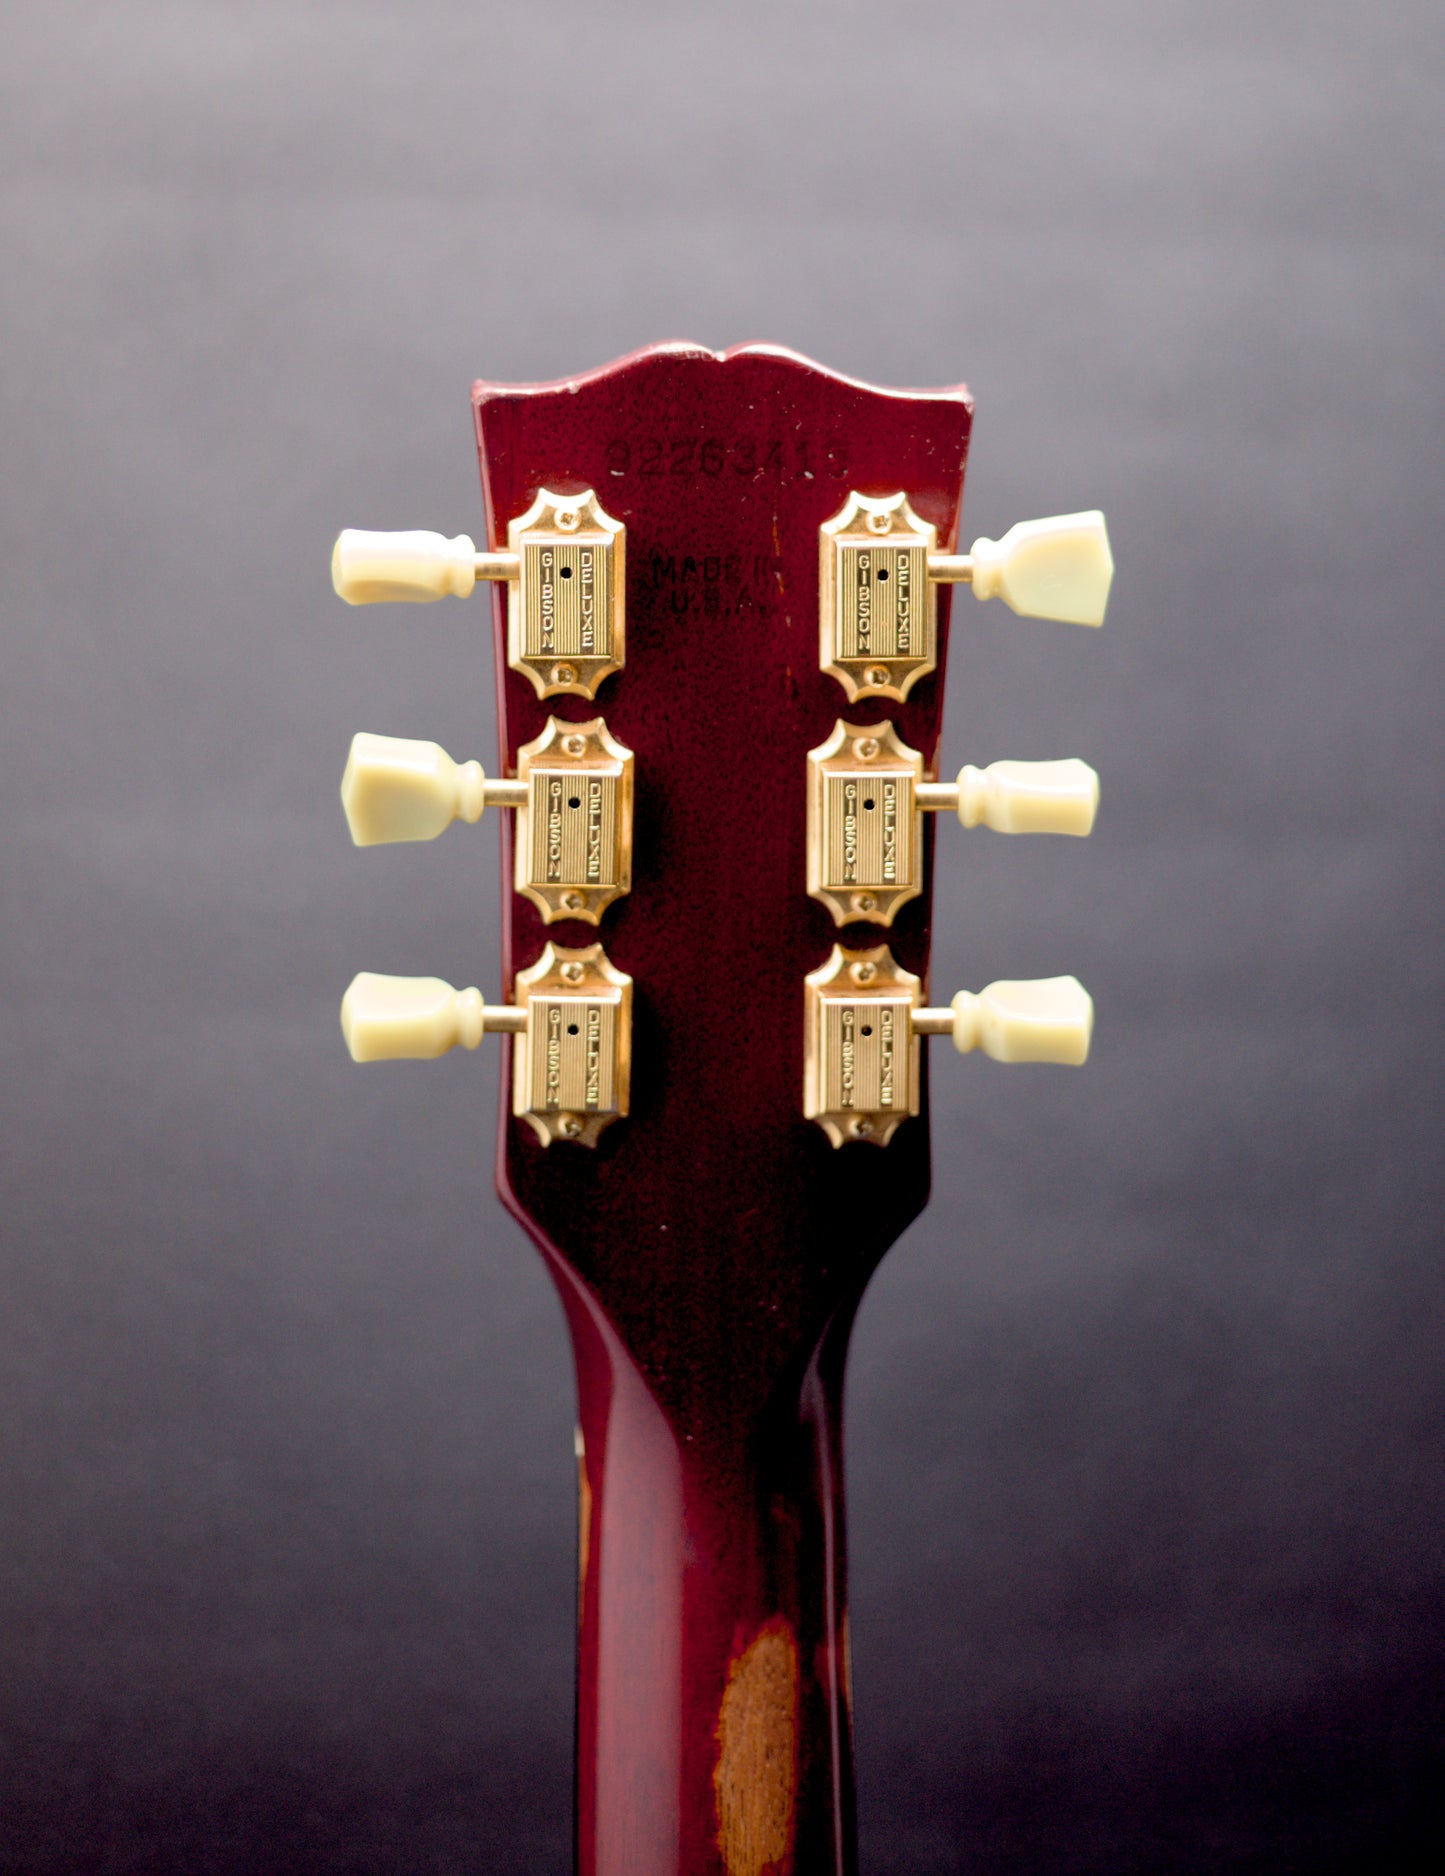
(1145, 1413)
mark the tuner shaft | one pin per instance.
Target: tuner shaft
(951, 569)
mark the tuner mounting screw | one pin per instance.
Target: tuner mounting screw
(866, 748)
(567, 519)
(880, 523)
(575, 745)
(563, 674)
(569, 1125)
(573, 901)
(572, 972)
(860, 1128)
(876, 675)
(864, 973)
(864, 902)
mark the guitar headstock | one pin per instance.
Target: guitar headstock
(721, 596)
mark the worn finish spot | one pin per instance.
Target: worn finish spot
(755, 1780)
(584, 1524)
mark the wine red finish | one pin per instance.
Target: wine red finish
(712, 1250)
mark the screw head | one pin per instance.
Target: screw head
(567, 519)
(864, 902)
(864, 972)
(861, 1128)
(569, 1126)
(563, 674)
(573, 901)
(572, 972)
(876, 675)
(866, 748)
(574, 745)
(880, 524)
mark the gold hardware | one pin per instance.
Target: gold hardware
(574, 835)
(864, 1018)
(565, 596)
(879, 631)
(865, 846)
(572, 1065)
(861, 1056)
(867, 797)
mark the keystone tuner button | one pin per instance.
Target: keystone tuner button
(1056, 568)
(417, 1018)
(1041, 1019)
(395, 789)
(417, 565)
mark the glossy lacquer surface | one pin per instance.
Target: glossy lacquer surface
(711, 1251)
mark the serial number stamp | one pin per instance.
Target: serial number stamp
(776, 459)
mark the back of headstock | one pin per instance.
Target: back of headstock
(717, 1226)
(716, 956)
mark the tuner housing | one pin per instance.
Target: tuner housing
(878, 611)
(565, 610)
(572, 1063)
(865, 844)
(574, 835)
(862, 1057)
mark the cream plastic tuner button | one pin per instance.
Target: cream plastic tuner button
(396, 789)
(1021, 797)
(367, 568)
(1045, 1019)
(416, 1018)
(1059, 568)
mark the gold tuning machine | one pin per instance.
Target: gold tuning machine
(572, 794)
(865, 1018)
(867, 796)
(572, 1019)
(565, 574)
(880, 566)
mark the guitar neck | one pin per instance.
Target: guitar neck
(714, 1726)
